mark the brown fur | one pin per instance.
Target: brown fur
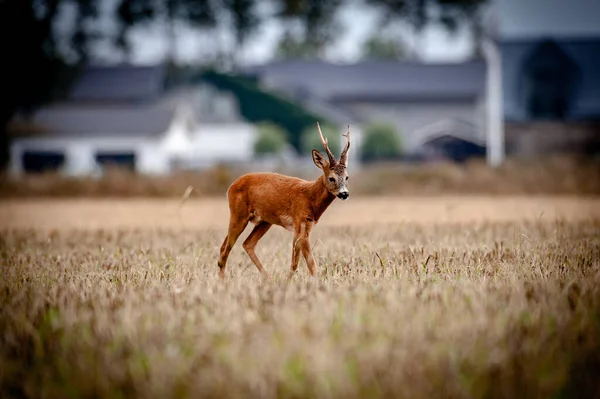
(267, 199)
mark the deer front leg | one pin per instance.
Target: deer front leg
(302, 244)
(236, 227)
(296, 248)
(308, 257)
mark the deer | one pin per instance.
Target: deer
(266, 199)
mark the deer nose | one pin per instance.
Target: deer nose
(344, 195)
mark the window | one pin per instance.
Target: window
(121, 160)
(42, 161)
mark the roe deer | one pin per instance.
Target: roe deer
(266, 199)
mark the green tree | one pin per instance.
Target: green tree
(194, 13)
(380, 142)
(318, 27)
(420, 13)
(245, 18)
(311, 140)
(291, 46)
(271, 139)
(378, 47)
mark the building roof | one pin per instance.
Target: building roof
(375, 80)
(123, 83)
(94, 121)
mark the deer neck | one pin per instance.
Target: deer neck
(320, 197)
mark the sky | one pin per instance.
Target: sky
(434, 45)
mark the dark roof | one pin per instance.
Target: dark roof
(124, 83)
(376, 80)
(100, 121)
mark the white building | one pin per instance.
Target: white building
(81, 141)
(123, 115)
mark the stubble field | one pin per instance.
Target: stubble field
(458, 297)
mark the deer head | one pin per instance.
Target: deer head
(334, 172)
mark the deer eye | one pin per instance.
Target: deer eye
(331, 179)
(346, 178)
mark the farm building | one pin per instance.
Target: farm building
(82, 141)
(126, 116)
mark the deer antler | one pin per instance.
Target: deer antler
(344, 156)
(326, 146)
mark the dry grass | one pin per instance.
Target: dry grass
(548, 175)
(458, 297)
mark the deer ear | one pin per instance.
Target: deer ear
(320, 160)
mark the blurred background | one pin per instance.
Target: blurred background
(145, 97)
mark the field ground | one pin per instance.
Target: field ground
(213, 213)
(459, 297)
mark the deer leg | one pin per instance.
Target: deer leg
(307, 251)
(296, 248)
(308, 256)
(257, 233)
(301, 234)
(236, 227)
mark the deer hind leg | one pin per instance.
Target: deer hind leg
(236, 227)
(257, 233)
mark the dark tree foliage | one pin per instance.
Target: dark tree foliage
(245, 18)
(317, 18)
(38, 60)
(419, 13)
(449, 13)
(131, 13)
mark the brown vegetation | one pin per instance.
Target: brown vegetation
(496, 304)
(549, 175)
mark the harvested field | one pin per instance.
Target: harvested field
(460, 297)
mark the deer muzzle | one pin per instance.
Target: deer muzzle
(344, 195)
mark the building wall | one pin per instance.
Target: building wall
(543, 138)
(585, 56)
(153, 154)
(218, 142)
(408, 117)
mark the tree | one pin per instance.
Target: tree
(195, 13)
(39, 61)
(291, 46)
(318, 27)
(380, 142)
(245, 20)
(419, 13)
(378, 47)
(271, 139)
(311, 140)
